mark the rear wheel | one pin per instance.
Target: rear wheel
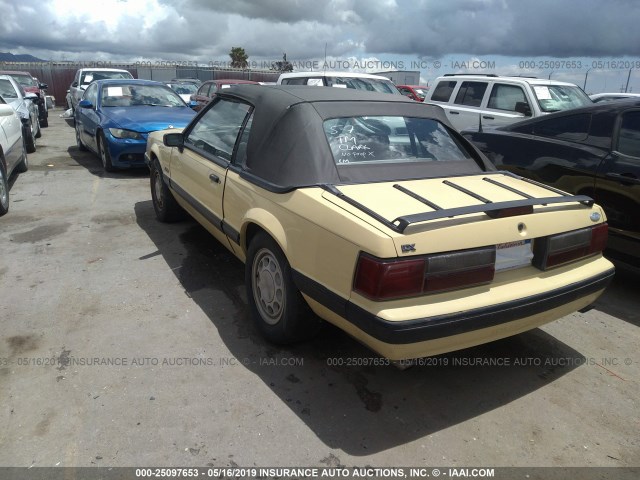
(277, 307)
(4, 190)
(166, 207)
(104, 153)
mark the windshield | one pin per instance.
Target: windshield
(387, 139)
(89, 76)
(139, 95)
(368, 84)
(184, 88)
(554, 98)
(25, 80)
(6, 90)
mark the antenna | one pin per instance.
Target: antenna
(324, 66)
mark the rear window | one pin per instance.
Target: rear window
(89, 76)
(391, 139)
(367, 84)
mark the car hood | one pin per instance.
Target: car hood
(436, 214)
(149, 119)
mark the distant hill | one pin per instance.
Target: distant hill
(10, 57)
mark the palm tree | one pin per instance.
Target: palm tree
(238, 57)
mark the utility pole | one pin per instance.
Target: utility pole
(628, 77)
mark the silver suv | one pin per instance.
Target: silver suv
(84, 76)
(492, 100)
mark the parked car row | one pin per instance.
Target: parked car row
(23, 113)
(406, 213)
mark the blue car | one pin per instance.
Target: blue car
(114, 118)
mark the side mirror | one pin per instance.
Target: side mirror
(74, 84)
(85, 104)
(6, 110)
(523, 108)
(43, 86)
(173, 140)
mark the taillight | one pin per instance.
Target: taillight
(380, 279)
(556, 250)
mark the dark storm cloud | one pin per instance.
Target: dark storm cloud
(205, 29)
(510, 28)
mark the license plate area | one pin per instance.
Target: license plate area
(513, 255)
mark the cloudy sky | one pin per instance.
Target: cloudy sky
(452, 34)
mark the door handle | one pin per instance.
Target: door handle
(214, 178)
(487, 117)
(452, 112)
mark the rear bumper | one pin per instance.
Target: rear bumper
(376, 332)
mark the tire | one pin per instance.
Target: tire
(81, 146)
(165, 205)
(4, 190)
(105, 157)
(38, 129)
(23, 166)
(43, 113)
(29, 140)
(277, 307)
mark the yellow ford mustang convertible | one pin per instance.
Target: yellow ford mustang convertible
(371, 212)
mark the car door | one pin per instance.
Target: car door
(618, 186)
(465, 110)
(501, 105)
(88, 118)
(199, 171)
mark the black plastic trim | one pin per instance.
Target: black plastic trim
(211, 218)
(441, 326)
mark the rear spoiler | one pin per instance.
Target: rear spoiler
(492, 209)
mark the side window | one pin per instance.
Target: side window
(471, 93)
(505, 97)
(294, 81)
(216, 132)
(629, 136)
(91, 94)
(569, 127)
(443, 91)
(204, 89)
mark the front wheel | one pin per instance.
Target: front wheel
(23, 166)
(29, 139)
(277, 307)
(103, 148)
(79, 143)
(4, 190)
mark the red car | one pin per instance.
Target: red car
(210, 88)
(31, 85)
(414, 92)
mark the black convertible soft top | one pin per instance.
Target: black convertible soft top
(288, 147)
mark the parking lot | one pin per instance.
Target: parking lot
(127, 342)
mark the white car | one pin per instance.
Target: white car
(84, 76)
(13, 154)
(357, 81)
(471, 101)
(25, 105)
